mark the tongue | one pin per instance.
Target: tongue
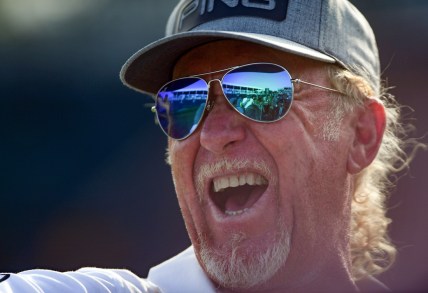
(239, 198)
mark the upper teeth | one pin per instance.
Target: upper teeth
(221, 183)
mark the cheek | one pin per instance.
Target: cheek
(312, 175)
(322, 204)
(182, 155)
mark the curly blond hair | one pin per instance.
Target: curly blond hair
(371, 249)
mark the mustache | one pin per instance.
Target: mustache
(224, 166)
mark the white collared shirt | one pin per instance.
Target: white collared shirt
(181, 274)
(85, 280)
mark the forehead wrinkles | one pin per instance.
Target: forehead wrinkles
(227, 53)
(226, 166)
(219, 55)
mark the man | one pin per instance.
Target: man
(287, 201)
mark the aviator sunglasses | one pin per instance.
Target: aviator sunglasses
(261, 92)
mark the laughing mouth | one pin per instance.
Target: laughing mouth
(236, 194)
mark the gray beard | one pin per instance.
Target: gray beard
(235, 267)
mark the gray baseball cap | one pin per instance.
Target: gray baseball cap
(331, 31)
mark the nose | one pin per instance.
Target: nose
(223, 126)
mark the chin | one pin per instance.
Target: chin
(241, 264)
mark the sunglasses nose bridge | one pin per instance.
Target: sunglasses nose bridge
(210, 98)
(209, 82)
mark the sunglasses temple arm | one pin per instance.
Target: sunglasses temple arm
(297, 81)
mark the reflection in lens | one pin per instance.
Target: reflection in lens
(180, 105)
(261, 92)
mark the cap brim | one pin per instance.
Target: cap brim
(151, 67)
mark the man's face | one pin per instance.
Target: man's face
(264, 203)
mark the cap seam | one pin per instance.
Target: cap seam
(321, 35)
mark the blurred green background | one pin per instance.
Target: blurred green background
(83, 180)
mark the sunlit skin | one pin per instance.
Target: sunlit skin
(311, 185)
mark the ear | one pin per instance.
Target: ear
(369, 129)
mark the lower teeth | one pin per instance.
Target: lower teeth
(235, 213)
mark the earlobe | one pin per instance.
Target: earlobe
(369, 129)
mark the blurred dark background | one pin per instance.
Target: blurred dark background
(83, 180)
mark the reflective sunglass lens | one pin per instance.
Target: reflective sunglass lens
(262, 92)
(180, 105)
